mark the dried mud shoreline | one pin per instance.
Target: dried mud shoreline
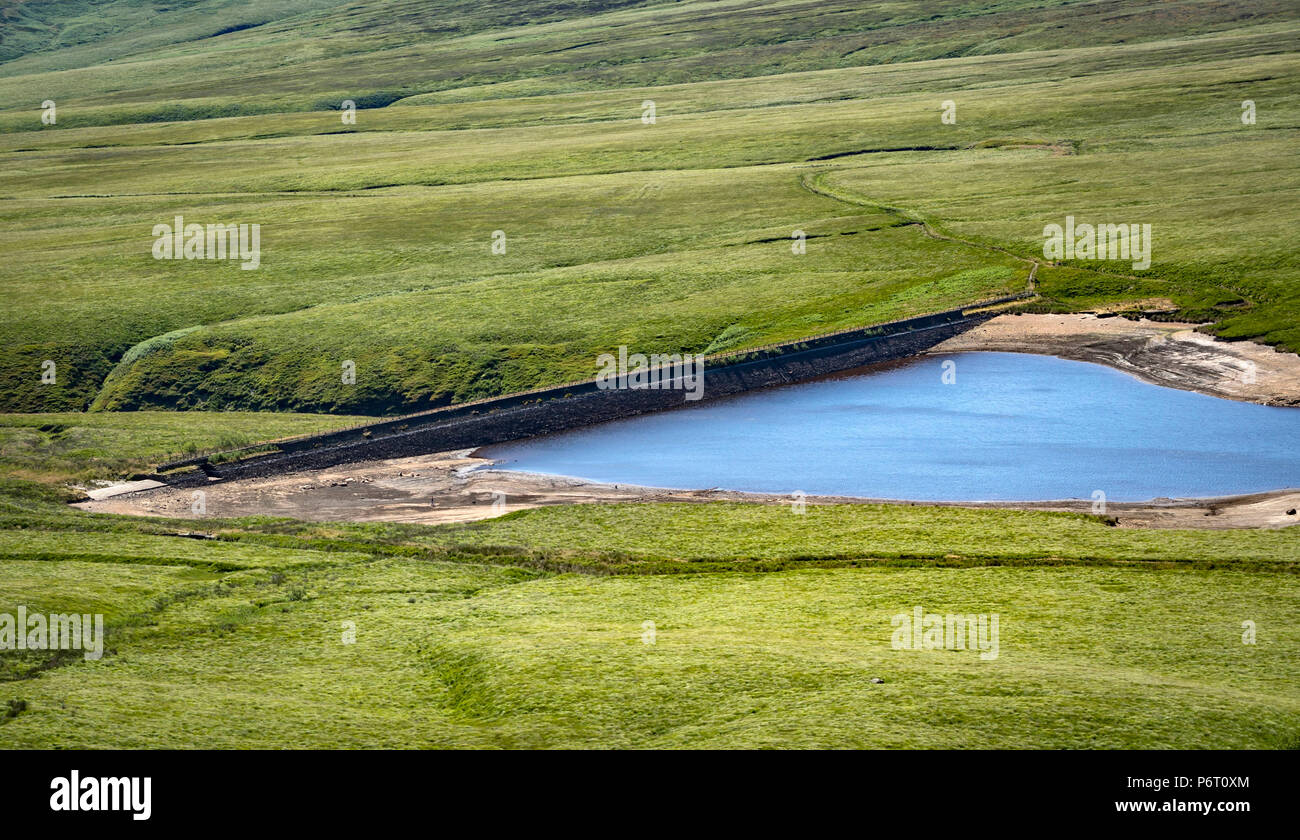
(458, 487)
(1163, 353)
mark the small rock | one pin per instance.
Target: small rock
(1291, 512)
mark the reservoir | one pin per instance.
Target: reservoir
(997, 427)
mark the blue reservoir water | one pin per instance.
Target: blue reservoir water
(1010, 427)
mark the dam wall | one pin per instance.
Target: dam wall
(550, 410)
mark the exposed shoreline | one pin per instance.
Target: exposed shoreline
(460, 487)
(1169, 354)
(453, 487)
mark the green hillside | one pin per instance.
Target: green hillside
(635, 625)
(376, 238)
(476, 636)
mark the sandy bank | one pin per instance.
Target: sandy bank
(454, 487)
(1169, 354)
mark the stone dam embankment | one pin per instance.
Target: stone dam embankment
(550, 410)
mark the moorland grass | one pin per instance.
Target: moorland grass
(534, 630)
(110, 64)
(377, 242)
(57, 447)
(454, 655)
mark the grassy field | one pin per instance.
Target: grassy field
(709, 625)
(687, 536)
(76, 446)
(111, 60)
(240, 642)
(452, 655)
(671, 237)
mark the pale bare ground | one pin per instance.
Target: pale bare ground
(457, 487)
(1170, 354)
